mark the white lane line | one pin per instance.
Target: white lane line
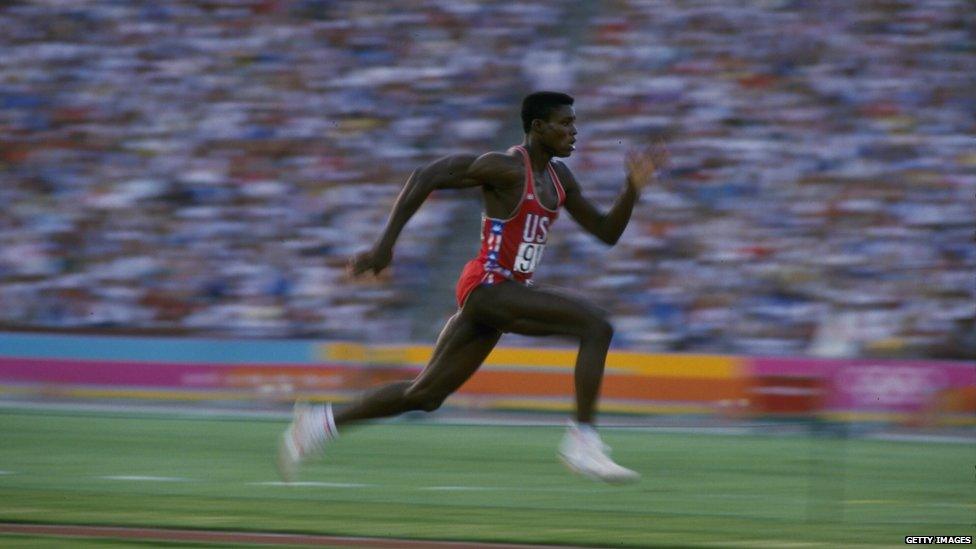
(944, 439)
(7, 473)
(459, 488)
(314, 484)
(141, 478)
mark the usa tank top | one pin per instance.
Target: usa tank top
(512, 248)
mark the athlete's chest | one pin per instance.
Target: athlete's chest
(545, 190)
(515, 192)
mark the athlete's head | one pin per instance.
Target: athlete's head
(551, 119)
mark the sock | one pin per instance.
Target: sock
(585, 429)
(331, 431)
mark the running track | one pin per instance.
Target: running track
(251, 538)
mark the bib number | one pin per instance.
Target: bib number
(528, 257)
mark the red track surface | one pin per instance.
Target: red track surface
(251, 538)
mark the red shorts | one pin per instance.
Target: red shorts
(472, 276)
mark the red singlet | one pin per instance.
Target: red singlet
(512, 248)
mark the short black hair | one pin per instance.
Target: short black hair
(540, 105)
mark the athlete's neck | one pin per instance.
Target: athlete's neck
(537, 154)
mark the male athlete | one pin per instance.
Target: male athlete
(523, 190)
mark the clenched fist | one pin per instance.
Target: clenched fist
(374, 260)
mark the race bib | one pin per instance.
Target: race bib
(528, 257)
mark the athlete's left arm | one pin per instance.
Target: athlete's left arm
(610, 225)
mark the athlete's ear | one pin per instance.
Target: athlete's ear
(537, 124)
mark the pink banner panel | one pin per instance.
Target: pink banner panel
(866, 385)
(81, 372)
(174, 376)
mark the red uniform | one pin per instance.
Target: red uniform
(512, 248)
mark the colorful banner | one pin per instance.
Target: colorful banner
(869, 386)
(520, 378)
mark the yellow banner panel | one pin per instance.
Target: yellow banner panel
(515, 358)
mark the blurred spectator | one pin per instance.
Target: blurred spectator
(207, 166)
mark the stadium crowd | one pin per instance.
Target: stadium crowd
(208, 166)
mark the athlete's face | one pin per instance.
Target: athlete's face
(559, 132)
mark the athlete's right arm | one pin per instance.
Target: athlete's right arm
(451, 172)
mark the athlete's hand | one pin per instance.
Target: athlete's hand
(641, 164)
(375, 259)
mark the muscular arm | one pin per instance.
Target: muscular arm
(606, 226)
(609, 226)
(451, 172)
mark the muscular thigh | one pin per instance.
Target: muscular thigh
(461, 347)
(512, 307)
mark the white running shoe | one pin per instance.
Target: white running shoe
(585, 454)
(311, 427)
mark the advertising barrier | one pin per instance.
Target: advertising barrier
(511, 378)
(876, 389)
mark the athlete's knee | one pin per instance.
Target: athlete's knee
(424, 399)
(432, 403)
(599, 326)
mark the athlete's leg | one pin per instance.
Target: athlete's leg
(512, 307)
(461, 348)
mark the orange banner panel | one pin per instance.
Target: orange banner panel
(631, 387)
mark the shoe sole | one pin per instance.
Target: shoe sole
(592, 476)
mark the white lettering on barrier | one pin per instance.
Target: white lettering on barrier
(891, 385)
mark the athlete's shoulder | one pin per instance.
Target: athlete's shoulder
(497, 164)
(560, 166)
(498, 158)
(565, 175)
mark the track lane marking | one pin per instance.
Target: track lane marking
(314, 484)
(145, 478)
(240, 537)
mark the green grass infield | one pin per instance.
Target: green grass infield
(480, 483)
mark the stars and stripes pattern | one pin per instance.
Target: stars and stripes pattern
(511, 248)
(493, 246)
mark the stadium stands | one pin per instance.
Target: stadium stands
(208, 166)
